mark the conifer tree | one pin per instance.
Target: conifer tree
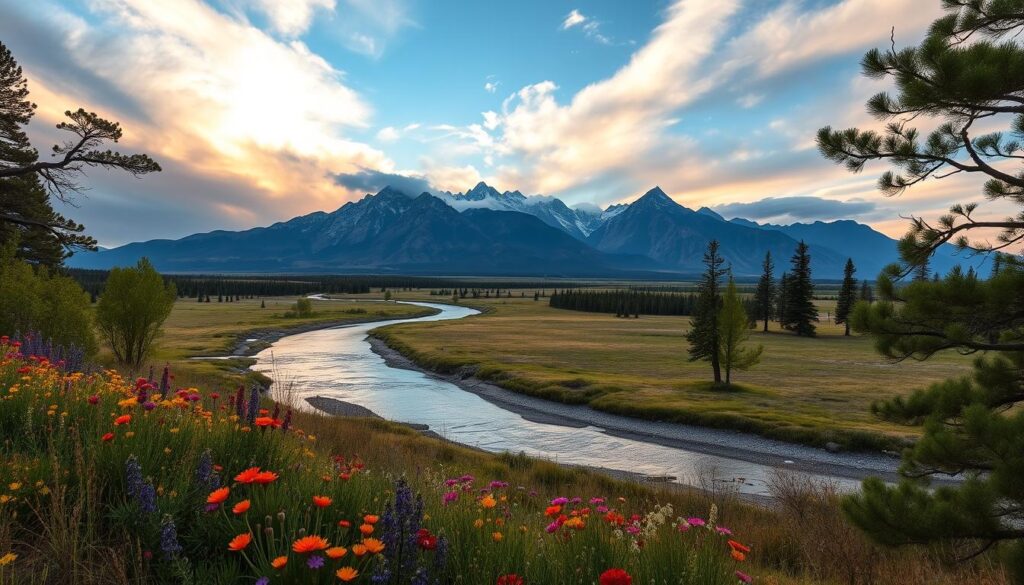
(847, 296)
(967, 72)
(705, 343)
(733, 333)
(801, 314)
(765, 294)
(781, 303)
(866, 292)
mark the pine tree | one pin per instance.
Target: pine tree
(703, 336)
(801, 314)
(966, 74)
(847, 295)
(866, 292)
(781, 303)
(733, 332)
(26, 183)
(765, 294)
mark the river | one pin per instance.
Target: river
(339, 363)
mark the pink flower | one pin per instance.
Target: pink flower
(450, 497)
(743, 577)
(723, 530)
(696, 522)
(596, 500)
(559, 501)
(553, 527)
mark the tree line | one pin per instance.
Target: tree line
(630, 302)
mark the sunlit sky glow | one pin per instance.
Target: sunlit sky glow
(261, 110)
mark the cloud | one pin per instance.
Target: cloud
(750, 100)
(371, 181)
(491, 86)
(798, 208)
(388, 134)
(291, 17)
(572, 19)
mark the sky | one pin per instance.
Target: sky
(262, 110)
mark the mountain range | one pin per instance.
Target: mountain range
(487, 232)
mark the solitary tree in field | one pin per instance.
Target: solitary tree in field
(967, 73)
(847, 296)
(765, 295)
(134, 304)
(733, 333)
(705, 342)
(800, 313)
(27, 183)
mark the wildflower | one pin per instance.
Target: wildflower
(366, 529)
(265, 477)
(359, 549)
(107, 437)
(263, 581)
(497, 537)
(122, 420)
(553, 527)
(347, 573)
(743, 577)
(511, 579)
(240, 542)
(559, 501)
(321, 501)
(94, 399)
(450, 497)
(241, 507)
(218, 496)
(8, 559)
(734, 545)
(373, 545)
(169, 538)
(615, 577)
(696, 522)
(315, 562)
(575, 522)
(552, 511)
(478, 523)
(596, 501)
(426, 540)
(279, 562)
(488, 501)
(248, 476)
(344, 523)
(336, 552)
(371, 519)
(308, 544)
(723, 530)
(738, 555)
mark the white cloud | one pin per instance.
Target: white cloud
(750, 100)
(292, 17)
(388, 134)
(491, 86)
(572, 19)
(491, 120)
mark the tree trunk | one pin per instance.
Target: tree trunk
(717, 369)
(847, 323)
(766, 324)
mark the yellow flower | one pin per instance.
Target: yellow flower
(129, 434)
(4, 499)
(175, 430)
(14, 486)
(7, 559)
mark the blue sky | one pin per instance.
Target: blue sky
(261, 110)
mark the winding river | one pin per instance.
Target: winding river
(339, 363)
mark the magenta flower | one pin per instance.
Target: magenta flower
(723, 530)
(743, 577)
(695, 522)
(553, 527)
(450, 497)
(559, 501)
(596, 500)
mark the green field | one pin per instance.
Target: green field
(807, 390)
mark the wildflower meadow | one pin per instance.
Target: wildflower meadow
(182, 485)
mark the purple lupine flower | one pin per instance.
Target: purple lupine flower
(254, 405)
(169, 538)
(205, 475)
(263, 581)
(147, 497)
(133, 476)
(315, 562)
(240, 401)
(287, 421)
(165, 380)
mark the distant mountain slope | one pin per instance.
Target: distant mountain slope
(386, 232)
(659, 228)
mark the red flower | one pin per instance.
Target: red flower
(511, 579)
(122, 420)
(108, 437)
(615, 577)
(321, 501)
(427, 541)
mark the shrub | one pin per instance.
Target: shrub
(134, 304)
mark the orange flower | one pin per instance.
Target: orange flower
(248, 476)
(122, 420)
(488, 501)
(241, 507)
(373, 545)
(497, 536)
(240, 542)
(265, 477)
(734, 545)
(347, 574)
(218, 496)
(366, 529)
(308, 544)
(738, 555)
(371, 519)
(336, 552)
(344, 523)
(553, 511)
(321, 501)
(358, 549)
(279, 562)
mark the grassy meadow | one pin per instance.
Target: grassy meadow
(810, 390)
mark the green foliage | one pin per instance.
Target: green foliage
(301, 309)
(733, 332)
(33, 299)
(765, 295)
(705, 343)
(800, 314)
(847, 295)
(133, 306)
